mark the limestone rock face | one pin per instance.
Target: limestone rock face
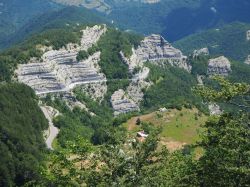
(247, 61)
(59, 76)
(59, 70)
(129, 101)
(200, 80)
(199, 52)
(121, 103)
(95, 91)
(91, 36)
(248, 35)
(214, 109)
(219, 66)
(137, 84)
(156, 49)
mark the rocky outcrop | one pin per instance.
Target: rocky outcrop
(129, 100)
(121, 103)
(59, 70)
(156, 49)
(248, 35)
(60, 75)
(201, 52)
(247, 61)
(95, 91)
(214, 109)
(91, 35)
(200, 80)
(71, 101)
(138, 83)
(219, 66)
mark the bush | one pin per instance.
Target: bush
(82, 55)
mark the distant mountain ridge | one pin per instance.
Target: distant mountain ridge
(174, 19)
(15, 14)
(53, 19)
(230, 40)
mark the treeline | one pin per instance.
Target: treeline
(21, 140)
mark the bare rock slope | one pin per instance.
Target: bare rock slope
(219, 66)
(154, 49)
(60, 71)
(247, 61)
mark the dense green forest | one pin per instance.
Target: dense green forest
(21, 140)
(16, 14)
(68, 16)
(229, 40)
(110, 46)
(175, 19)
(171, 89)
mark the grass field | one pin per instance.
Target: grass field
(179, 127)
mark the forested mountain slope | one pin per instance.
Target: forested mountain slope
(70, 16)
(15, 14)
(229, 40)
(21, 138)
(173, 19)
(170, 18)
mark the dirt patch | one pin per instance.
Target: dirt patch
(172, 145)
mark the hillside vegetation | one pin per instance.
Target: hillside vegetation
(171, 89)
(175, 19)
(229, 40)
(64, 17)
(93, 148)
(15, 14)
(21, 140)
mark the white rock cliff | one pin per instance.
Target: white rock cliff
(219, 66)
(60, 71)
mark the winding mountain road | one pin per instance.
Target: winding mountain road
(53, 131)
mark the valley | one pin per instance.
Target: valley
(179, 128)
(124, 93)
